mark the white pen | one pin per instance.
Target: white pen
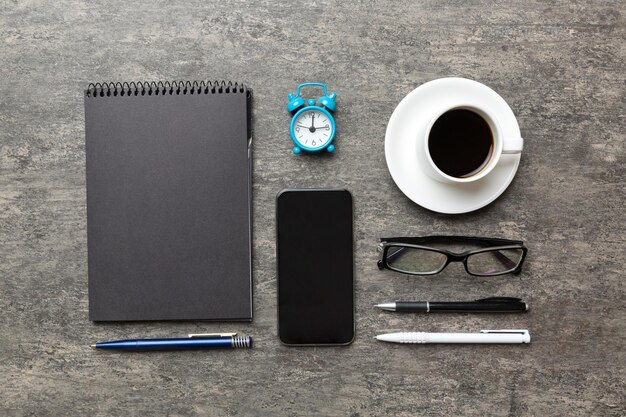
(485, 336)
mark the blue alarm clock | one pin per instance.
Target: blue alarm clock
(312, 125)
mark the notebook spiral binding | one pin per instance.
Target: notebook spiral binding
(142, 88)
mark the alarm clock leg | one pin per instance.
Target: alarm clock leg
(330, 148)
(297, 150)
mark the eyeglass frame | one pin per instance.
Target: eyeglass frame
(414, 242)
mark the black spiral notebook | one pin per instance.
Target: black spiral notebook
(168, 201)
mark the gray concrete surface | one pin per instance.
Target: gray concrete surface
(560, 65)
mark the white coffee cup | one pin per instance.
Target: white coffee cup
(501, 145)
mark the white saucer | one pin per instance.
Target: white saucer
(409, 121)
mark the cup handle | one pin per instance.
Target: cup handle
(512, 145)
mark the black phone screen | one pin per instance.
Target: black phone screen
(315, 267)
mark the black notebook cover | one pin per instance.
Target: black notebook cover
(168, 201)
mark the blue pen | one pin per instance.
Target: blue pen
(193, 341)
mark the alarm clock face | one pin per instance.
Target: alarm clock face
(312, 128)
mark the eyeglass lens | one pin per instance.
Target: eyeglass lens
(494, 261)
(415, 260)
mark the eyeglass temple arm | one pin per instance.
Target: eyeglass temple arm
(451, 239)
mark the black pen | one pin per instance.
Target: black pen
(484, 305)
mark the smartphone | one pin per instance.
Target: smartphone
(315, 261)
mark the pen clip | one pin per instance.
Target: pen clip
(505, 331)
(499, 300)
(210, 335)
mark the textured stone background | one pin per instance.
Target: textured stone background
(560, 65)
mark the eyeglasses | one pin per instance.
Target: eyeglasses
(417, 256)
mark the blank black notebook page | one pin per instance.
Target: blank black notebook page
(168, 207)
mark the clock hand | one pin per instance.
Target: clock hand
(306, 127)
(312, 128)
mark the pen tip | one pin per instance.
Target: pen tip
(93, 346)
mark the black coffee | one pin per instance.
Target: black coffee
(460, 143)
